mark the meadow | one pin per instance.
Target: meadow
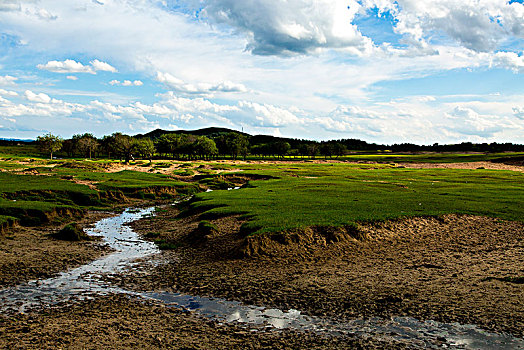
(295, 194)
(301, 195)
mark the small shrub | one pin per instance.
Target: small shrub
(72, 232)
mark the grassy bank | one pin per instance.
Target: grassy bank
(340, 194)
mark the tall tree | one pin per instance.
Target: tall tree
(146, 148)
(49, 143)
(237, 144)
(87, 144)
(205, 148)
(124, 146)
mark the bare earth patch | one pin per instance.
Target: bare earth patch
(450, 269)
(28, 253)
(469, 165)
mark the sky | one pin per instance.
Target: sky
(419, 71)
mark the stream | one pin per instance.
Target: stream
(87, 282)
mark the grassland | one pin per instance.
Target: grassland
(300, 194)
(53, 192)
(305, 195)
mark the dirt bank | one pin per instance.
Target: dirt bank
(118, 322)
(452, 269)
(28, 253)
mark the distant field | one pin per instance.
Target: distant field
(341, 194)
(432, 157)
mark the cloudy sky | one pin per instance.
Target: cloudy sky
(387, 71)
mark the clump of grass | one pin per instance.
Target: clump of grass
(72, 232)
(184, 172)
(152, 234)
(163, 245)
(207, 228)
(163, 165)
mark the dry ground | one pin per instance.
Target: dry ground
(451, 269)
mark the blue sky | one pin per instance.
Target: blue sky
(380, 70)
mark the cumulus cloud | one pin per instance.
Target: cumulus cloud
(71, 77)
(267, 115)
(7, 80)
(289, 27)
(8, 93)
(480, 25)
(180, 86)
(102, 66)
(126, 83)
(467, 121)
(72, 66)
(508, 60)
(41, 97)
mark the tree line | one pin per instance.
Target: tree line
(235, 145)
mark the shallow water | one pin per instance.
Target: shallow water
(87, 281)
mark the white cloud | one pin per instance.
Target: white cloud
(102, 66)
(179, 85)
(7, 80)
(72, 77)
(509, 60)
(72, 66)
(519, 112)
(480, 25)
(8, 93)
(41, 97)
(10, 5)
(45, 15)
(278, 27)
(268, 115)
(126, 83)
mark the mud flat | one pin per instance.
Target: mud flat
(464, 269)
(28, 253)
(120, 322)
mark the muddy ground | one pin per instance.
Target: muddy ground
(28, 253)
(464, 269)
(118, 322)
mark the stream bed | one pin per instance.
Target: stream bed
(87, 282)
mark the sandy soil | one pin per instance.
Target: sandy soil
(449, 269)
(118, 322)
(470, 165)
(28, 253)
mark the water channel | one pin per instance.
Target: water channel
(87, 282)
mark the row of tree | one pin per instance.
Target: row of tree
(232, 144)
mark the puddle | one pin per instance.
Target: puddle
(87, 281)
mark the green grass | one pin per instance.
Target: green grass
(6, 220)
(342, 194)
(21, 151)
